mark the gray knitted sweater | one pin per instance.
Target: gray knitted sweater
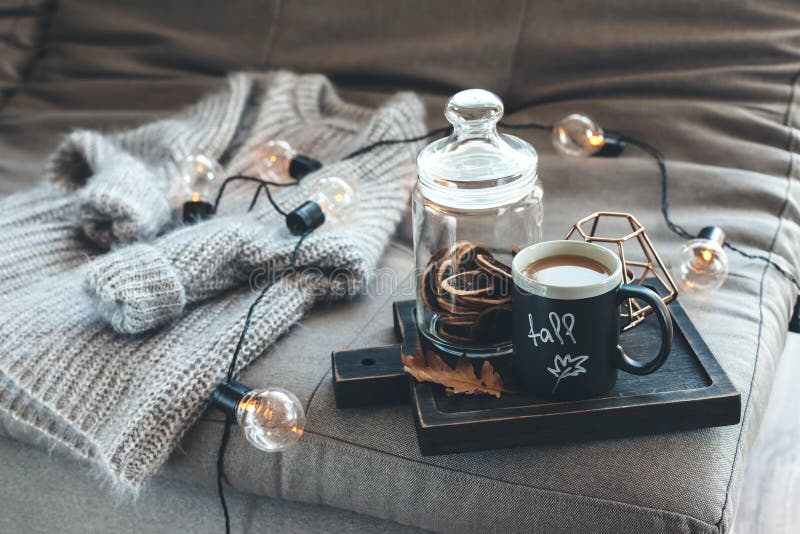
(124, 401)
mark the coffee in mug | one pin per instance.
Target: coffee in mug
(566, 297)
(566, 270)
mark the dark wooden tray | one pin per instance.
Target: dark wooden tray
(690, 391)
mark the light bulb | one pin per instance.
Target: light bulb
(704, 263)
(338, 198)
(278, 161)
(579, 135)
(334, 200)
(201, 176)
(273, 419)
(274, 160)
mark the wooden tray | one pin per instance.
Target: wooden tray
(690, 391)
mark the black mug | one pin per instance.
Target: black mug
(566, 338)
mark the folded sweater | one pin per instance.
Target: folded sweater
(124, 401)
(106, 189)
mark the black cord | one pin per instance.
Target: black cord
(226, 434)
(789, 276)
(526, 126)
(280, 274)
(431, 133)
(387, 142)
(232, 368)
(262, 184)
(681, 231)
(662, 167)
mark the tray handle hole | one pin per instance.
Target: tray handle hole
(368, 361)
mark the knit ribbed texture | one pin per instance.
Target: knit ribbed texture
(39, 236)
(107, 189)
(214, 256)
(135, 287)
(125, 401)
(125, 177)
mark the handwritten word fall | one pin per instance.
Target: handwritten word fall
(545, 335)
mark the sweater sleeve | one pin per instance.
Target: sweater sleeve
(109, 189)
(123, 179)
(143, 286)
(138, 288)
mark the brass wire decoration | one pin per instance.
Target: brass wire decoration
(634, 271)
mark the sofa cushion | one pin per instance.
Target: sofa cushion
(718, 97)
(367, 460)
(41, 494)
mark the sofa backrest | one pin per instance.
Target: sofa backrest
(534, 50)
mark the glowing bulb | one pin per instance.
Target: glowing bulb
(273, 419)
(704, 263)
(334, 201)
(578, 135)
(338, 198)
(200, 176)
(274, 161)
(278, 162)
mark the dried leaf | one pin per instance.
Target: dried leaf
(461, 379)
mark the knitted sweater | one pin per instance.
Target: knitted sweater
(108, 189)
(124, 401)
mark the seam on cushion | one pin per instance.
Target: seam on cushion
(355, 448)
(10, 38)
(272, 34)
(790, 145)
(636, 509)
(515, 52)
(47, 11)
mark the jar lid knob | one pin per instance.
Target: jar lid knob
(474, 109)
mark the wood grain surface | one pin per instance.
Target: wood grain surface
(770, 496)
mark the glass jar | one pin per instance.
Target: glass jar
(477, 200)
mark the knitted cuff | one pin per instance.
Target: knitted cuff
(135, 288)
(125, 177)
(124, 202)
(122, 198)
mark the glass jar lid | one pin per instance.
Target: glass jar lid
(476, 167)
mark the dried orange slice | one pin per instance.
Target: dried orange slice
(469, 283)
(492, 325)
(492, 265)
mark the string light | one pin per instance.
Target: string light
(579, 135)
(599, 143)
(199, 175)
(273, 419)
(335, 199)
(278, 161)
(264, 427)
(704, 263)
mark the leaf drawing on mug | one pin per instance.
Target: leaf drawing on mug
(566, 365)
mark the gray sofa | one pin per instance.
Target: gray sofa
(712, 84)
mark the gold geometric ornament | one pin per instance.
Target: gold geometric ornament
(622, 229)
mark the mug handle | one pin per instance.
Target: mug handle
(625, 362)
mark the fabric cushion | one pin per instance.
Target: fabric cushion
(42, 494)
(712, 86)
(22, 28)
